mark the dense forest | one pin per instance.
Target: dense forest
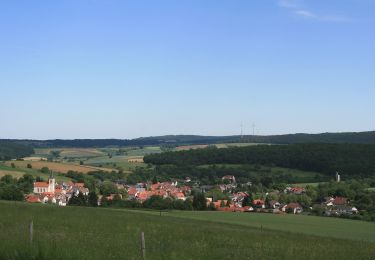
(350, 159)
(12, 150)
(359, 138)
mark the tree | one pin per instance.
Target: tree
(8, 179)
(44, 170)
(10, 192)
(107, 188)
(29, 166)
(79, 200)
(13, 165)
(81, 163)
(212, 206)
(199, 201)
(104, 202)
(26, 183)
(92, 200)
(154, 180)
(247, 201)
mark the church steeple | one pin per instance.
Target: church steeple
(51, 182)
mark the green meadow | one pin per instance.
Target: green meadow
(97, 233)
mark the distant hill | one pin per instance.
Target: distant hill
(352, 137)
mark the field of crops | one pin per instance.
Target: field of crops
(96, 233)
(19, 172)
(56, 166)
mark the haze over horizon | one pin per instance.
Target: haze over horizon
(127, 69)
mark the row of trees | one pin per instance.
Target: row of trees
(154, 202)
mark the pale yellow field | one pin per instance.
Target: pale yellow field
(190, 147)
(57, 167)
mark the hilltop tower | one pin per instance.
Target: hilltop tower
(338, 177)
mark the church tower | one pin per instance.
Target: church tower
(51, 183)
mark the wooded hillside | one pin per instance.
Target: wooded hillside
(349, 159)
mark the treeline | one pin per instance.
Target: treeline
(173, 140)
(12, 150)
(350, 159)
(351, 137)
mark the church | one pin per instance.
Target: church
(43, 187)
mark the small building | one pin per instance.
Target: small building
(293, 207)
(259, 204)
(230, 178)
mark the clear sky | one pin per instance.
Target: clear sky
(124, 69)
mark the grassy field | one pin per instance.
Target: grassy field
(96, 233)
(99, 157)
(19, 172)
(56, 166)
(320, 226)
(69, 152)
(114, 162)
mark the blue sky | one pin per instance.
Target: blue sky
(124, 69)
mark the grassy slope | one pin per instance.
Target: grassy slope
(320, 226)
(88, 233)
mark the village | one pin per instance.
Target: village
(236, 201)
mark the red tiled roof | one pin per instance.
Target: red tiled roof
(32, 198)
(258, 202)
(293, 205)
(132, 191)
(340, 201)
(41, 184)
(48, 193)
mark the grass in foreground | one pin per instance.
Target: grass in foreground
(89, 233)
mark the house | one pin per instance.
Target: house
(295, 190)
(259, 204)
(339, 201)
(248, 209)
(179, 196)
(341, 210)
(132, 192)
(33, 198)
(229, 178)
(293, 207)
(274, 204)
